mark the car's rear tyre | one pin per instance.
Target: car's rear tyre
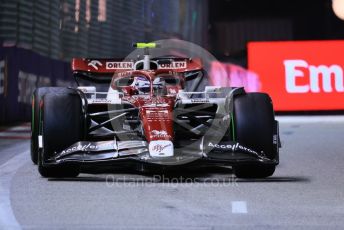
(62, 124)
(36, 98)
(254, 126)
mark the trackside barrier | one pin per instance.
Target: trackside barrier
(21, 71)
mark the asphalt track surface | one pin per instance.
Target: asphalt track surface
(306, 191)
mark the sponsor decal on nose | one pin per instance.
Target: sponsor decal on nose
(161, 149)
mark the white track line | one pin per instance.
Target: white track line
(7, 171)
(239, 207)
(311, 119)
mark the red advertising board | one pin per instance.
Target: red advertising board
(302, 75)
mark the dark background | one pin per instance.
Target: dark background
(62, 29)
(235, 22)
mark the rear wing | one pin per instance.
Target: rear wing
(176, 64)
(95, 70)
(102, 70)
(114, 65)
(107, 66)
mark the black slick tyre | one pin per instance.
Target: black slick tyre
(62, 123)
(254, 125)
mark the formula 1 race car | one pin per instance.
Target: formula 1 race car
(145, 119)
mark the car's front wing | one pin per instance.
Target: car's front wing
(113, 152)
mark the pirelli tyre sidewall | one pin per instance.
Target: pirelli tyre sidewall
(62, 124)
(36, 98)
(254, 126)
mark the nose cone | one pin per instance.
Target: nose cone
(157, 123)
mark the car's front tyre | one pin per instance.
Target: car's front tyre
(254, 127)
(61, 126)
(37, 96)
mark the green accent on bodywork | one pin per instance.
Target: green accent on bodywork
(142, 45)
(40, 120)
(33, 113)
(233, 128)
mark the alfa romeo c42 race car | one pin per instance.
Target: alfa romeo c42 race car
(145, 119)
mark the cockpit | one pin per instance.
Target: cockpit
(139, 84)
